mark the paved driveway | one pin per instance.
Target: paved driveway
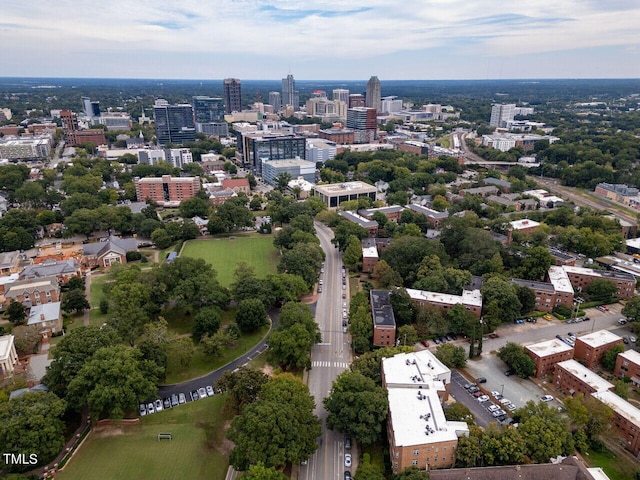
(479, 410)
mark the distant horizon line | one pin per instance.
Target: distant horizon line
(529, 79)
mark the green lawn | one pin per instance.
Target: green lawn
(616, 468)
(225, 253)
(196, 451)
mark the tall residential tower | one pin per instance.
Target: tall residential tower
(289, 92)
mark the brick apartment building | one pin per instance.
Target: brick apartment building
(340, 136)
(168, 190)
(581, 278)
(419, 434)
(371, 226)
(571, 378)
(546, 295)
(384, 322)
(33, 291)
(626, 419)
(433, 216)
(628, 365)
(392, 212)
(591, 348)
(470, 299)
(546, 355)
(369, 254)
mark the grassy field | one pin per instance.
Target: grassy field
(198, 448)
(616, 468)
(225, 253)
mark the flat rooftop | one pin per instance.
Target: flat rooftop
(587, 376)
(5, 344)
(598, 273)
(474, 299)
(549, 347)
(559, 279)
(619, 406)
(534, 285)
(599, 338)
(355, 218)
(345, 188)
(415, 370)
(381, 308)
(369, 252)
(631, 355)
(524, 223)
(428, 212)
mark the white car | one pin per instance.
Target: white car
(210, 390)
(159, 405)
(499, 413)
(347, 459)
(150, 408)
(511, 407)
(493, 408)
(495, 394)
(546, 398)
(483, 398)
(505, 401)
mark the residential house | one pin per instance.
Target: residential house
(62, 270)
(47, 318)
(33, 291)
(108, 251)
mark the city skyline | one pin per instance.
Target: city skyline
(260, 39)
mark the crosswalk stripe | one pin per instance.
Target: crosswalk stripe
(320, 364)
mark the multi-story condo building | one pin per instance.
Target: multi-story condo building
(341, 94)
(174, 123)
(590, 348)
(471, 299)
(501, 114)
(372, 98)
(363, 122)
(571, 378)
(207, 110)
(628, 365)
(167, 190)
(546, 355)
(384, 322)
(232, 95)
(275, 100)
(417, 384)
(256, 147)
(356, 100)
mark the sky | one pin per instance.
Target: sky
(320, 39)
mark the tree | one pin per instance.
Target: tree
(369, 471)
(32, 424)
(291, 347)
(82, 221)
(452, 356)
(260, 472)
(161, 238)
(352, 257)
(632, 309)
(73, 351)
(407, 335)
(194, 207)
(278, 428)
(129, 308)
(386, 276)
(601, 290)
(251, 315)
(351, 395)
(544, 432)
(430, 321)
(369, 363)
(282, 180)
(536, 264)
(457, 412)
(610, 356)
(242, 385)
(405, 254)
(506, 302)
(113, 381)
(622, 389)
(206, 322)
(181, 352)
(213, 345)
(16, 313)
(527, 299)
(516, 358)
(412, 473)
(75, 300)
(304, 260)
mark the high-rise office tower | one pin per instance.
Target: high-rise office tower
(289, 92)
(363, 121)
(341, 94)
(372, 97)
(232, 95)
(275, 100)
(174, 123)
(501, 114)
(208, 109)
(90, 109)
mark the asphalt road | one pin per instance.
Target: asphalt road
(329, 358)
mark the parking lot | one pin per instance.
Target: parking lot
(175, 400)
(482, 416)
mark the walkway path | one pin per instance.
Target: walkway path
(87, 294)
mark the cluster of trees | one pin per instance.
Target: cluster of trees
(73, 298)
(276, 427)
(515, 356)
(291, 343)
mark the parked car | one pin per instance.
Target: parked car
(548, 317)
(493, 408)
(622, 321)
(424, 343)
(319, 288)
(519, 321)
(202, 392)
(166, 403)
(210, 391)
(150, 408)
(494, 335)
(347, 443)
(499, 413)
(494, 394)
(483, 398)
(546, 398)
(505, 401)
(481, 380)
(158, 405)
(182, 398)
(143, 410)
(347, 475)
(473, 390)
(632, 339)
(509, 372)
(347, 459)
(194, 395)
(174, 400)
(511, 407)
(436, 341)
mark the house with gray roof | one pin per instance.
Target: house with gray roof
(33, 291)
(108, 251)
(46, 318)
(62, 270)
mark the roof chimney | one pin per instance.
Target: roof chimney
(42, 317)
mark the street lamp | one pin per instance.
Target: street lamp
(502, 390)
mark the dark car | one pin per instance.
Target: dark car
(449, 338)
(508, 373)
(347, 475)
(474, 390)
(494, 335)
(347, 443)
(424, 343)
(453, 336)
(481, 380)
(436, 341)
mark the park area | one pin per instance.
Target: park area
(225, 254)
(198, 448)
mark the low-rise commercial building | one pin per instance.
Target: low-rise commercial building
(418, 431)
(591, 348)
(384, 322)
(333, 194)
(295, 167)
(547, 354)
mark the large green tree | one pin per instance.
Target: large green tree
(451, 355)
(515, 356)
(251, 315)
(602, 290)
(32, 424)
(276, 429)
(242, 385)
(545, 433)
(75, 300)
(351, 396)
(260, 472)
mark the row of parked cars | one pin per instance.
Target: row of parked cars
(578, 320)
(176, 399)
(497, 411)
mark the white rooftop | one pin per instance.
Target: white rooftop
(633, 243)
(559, 279)
(631, 355)
(594, 273)
(415, 369)
(550, 347)
(589, 377)
(524, 223)
(619, 406)
(599, 338)
(413, 412)
(341, 188)
(471, 298)
(369, 252)
(6, 341)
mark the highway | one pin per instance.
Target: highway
(329, 358)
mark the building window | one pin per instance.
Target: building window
(415, 462)
(416, 452)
